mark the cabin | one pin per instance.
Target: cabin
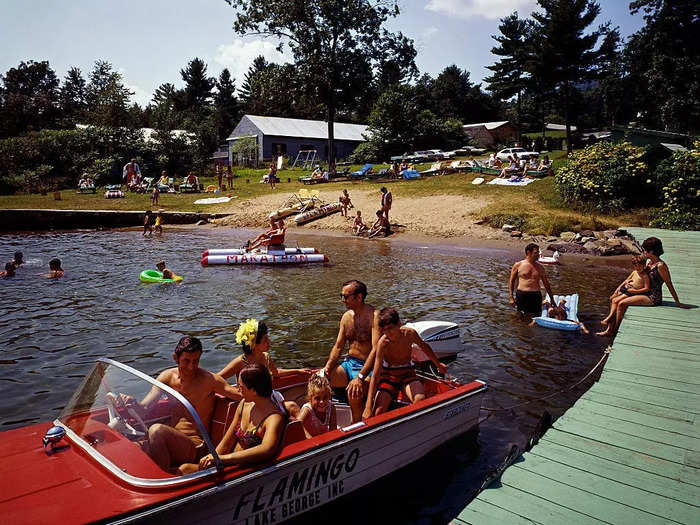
(489, 134)
(275, 136)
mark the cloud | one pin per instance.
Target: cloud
(428, 32)
(239, 55)
(492, 9)
(140, 96)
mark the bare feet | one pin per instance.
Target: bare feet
(605, 321)
(606, 333)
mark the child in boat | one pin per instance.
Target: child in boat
(636, 283)
(55, 270)
(147, 222)
(9, 270)
(167, 274)
(159, 223)
(358, 225)
(393, 370)
(318, 414)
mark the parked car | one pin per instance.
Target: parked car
(522, 153)
(442, 155)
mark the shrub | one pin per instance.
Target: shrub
(365, 152)
(680, 177)
(609, 177)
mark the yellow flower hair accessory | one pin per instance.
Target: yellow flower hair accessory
(247, 332)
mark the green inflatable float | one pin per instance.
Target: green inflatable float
(154, 276)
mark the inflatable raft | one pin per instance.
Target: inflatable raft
(554, 259)
(570, 324)
(269, 257)
(241, 251)
(317, 213)
(154, 276)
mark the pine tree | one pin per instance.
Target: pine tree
(226, 105)
(198, 86)
(72, 97)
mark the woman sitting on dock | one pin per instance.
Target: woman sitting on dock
(257, 429)
(659, 274)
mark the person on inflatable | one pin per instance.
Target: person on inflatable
(263, 235)
(274, 237)
(167, 274)
(560, 312)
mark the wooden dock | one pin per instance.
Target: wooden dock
(628, 451)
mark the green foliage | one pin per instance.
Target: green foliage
(607, 177)
(367, 152)
(497, 220)
(106, 96)
(680, 177)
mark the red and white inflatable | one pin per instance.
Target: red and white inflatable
(264, 258)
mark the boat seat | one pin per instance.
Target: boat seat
(293, 433)
(224, 411)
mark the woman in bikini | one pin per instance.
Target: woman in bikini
(659, 274)
(256, 432)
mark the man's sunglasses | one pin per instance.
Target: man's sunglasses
(346, 295)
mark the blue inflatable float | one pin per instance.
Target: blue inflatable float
(571, 323)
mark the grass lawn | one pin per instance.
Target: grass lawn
(535, 208)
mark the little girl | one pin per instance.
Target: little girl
(636, 283)
(318, 415)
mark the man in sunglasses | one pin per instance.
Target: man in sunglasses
(358, 328)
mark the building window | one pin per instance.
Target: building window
(279, 148)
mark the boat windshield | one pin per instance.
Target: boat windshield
(110, 415)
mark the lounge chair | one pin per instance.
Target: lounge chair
(362, 173)
(87, 188)
(114, 191)
(380, 174)
(433, 170)
(185, 187)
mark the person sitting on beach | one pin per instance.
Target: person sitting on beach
(358, 226)
(147, 223)
(9, 270)
(256, 433)
(167, 274)
(344, 199)
(18, 259)
(191, 179)
(318, 414)
(393, 370)
(179, 441)
(55, 270)
(164, 179)
(545, 163)
(528, 273)
(511, 168)
(359, 330)
(395, 170)
(530, 166)
(381, 226)
(317, 173)
(403, 166)
(82, 183)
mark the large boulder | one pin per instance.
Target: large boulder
(566, 247)
(567, 236)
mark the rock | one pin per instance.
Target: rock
(566, 247)
(480, 221)
(599, 235)
(552, 239)
(621, 232)
(507, 227)
(516, 233)
(610, 234)
(584, 240)
(613, 242)
(587, 233)
(592, 247)
(631, 246)
(567, 236)
(578, 237)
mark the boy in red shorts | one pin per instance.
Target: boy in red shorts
(393, 370)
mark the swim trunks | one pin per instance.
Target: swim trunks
(393, 380)
(528, 302)
(352, 366)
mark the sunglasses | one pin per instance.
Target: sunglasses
(346, 295)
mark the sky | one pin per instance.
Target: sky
(150, 41)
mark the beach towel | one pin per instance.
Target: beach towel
(215, 200)
(571, 307)
(513, 181)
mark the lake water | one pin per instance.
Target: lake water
(52, 331)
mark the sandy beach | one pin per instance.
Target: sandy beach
(434, 216)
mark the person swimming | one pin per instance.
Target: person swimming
(55, 270)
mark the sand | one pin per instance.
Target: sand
(436, 216)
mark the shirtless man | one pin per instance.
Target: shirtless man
(358, 329)
(386, 202)
(180, 442)
(393, 370)
(528, 273)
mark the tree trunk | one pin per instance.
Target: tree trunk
(517, 112)
(331, 136)
(569, 147)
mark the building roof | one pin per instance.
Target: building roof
(312, 129)
(673, 147)
(559, 127)
(488, 125)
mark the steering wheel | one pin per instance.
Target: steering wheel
(120, 416)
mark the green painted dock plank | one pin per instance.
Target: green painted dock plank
(642, 462)
(613, 471)
(613, 490)
(628, 452)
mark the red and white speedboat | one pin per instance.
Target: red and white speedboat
(92, 465)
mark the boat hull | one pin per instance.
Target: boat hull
(263, 258)
(316, 477)
(318, 213)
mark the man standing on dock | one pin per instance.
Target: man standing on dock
(358, 327)
(526, 295)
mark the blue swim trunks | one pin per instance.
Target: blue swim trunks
(352, 367)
